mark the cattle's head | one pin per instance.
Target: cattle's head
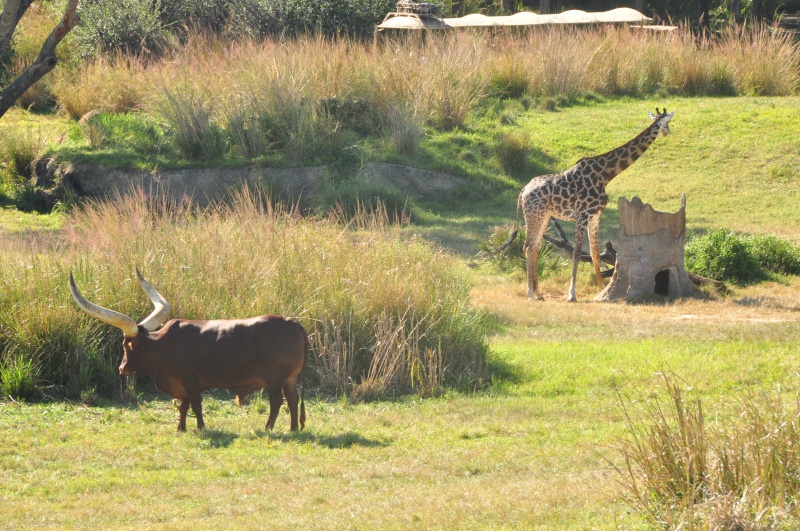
(662, 119)
(130, 329)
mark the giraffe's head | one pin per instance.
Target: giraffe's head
(661, 118)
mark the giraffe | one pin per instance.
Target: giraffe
(578, 194)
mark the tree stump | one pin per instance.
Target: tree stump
(649, 254)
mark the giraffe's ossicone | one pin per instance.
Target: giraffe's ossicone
(578, 194)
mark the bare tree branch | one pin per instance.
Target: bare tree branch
(47, 58)
(608, 256)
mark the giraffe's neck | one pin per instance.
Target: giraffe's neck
(611, 164)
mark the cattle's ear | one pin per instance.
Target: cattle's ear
(131, 342)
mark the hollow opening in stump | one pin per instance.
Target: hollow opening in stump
(662, 283)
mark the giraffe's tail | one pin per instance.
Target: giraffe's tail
(513, 235)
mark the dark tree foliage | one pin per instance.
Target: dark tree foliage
(147, 25)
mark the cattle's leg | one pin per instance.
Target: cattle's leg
(290, 391)
(535, 227)
(183, 408)
(197, 409)
(275, 394)
(580, 229)
(594, 246)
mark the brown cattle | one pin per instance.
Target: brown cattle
(187, 357)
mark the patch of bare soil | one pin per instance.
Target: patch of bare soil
(766, 310)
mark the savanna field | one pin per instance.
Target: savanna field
(439, 396)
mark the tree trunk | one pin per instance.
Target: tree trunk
(544, 7)
(758, 10)
(13, 11)
(46, 60)
(704, 24)
(736, 8)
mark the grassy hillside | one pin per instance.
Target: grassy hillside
(736, 159)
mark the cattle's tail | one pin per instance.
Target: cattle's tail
(303, 390)
(514, 232)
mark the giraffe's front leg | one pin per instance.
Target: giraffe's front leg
(580, 229)
(594, 246)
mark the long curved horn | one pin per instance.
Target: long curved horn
(121, 321)
(155, 319)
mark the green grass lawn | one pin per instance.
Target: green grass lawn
(529, 451)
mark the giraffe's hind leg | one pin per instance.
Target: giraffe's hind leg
(535, 227)
(594, 246)
(580, 229)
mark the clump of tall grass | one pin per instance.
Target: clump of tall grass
(513, 149)
(114, 83)
(20, 148)
(680, 471)
(18, 378)
(234, 260)
(764, 60)
(189, 113)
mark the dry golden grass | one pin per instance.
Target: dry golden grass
(746, 310)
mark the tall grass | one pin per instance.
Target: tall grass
(109, 83)
(683, 472)
(309, 96)
(243, 259)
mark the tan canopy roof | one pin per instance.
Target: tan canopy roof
(410, 21)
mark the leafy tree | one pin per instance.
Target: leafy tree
(13, 11)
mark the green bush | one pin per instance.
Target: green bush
(724, 255)
(132, 26)
(353, 18)
(775, 254)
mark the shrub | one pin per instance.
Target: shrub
(131, 26)
(775, 254)
(351, 18)
(190, 118)
(513, 257)
(722, 255)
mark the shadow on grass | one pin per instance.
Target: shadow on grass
(218, 438)
(503, 372)
(343, 440)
